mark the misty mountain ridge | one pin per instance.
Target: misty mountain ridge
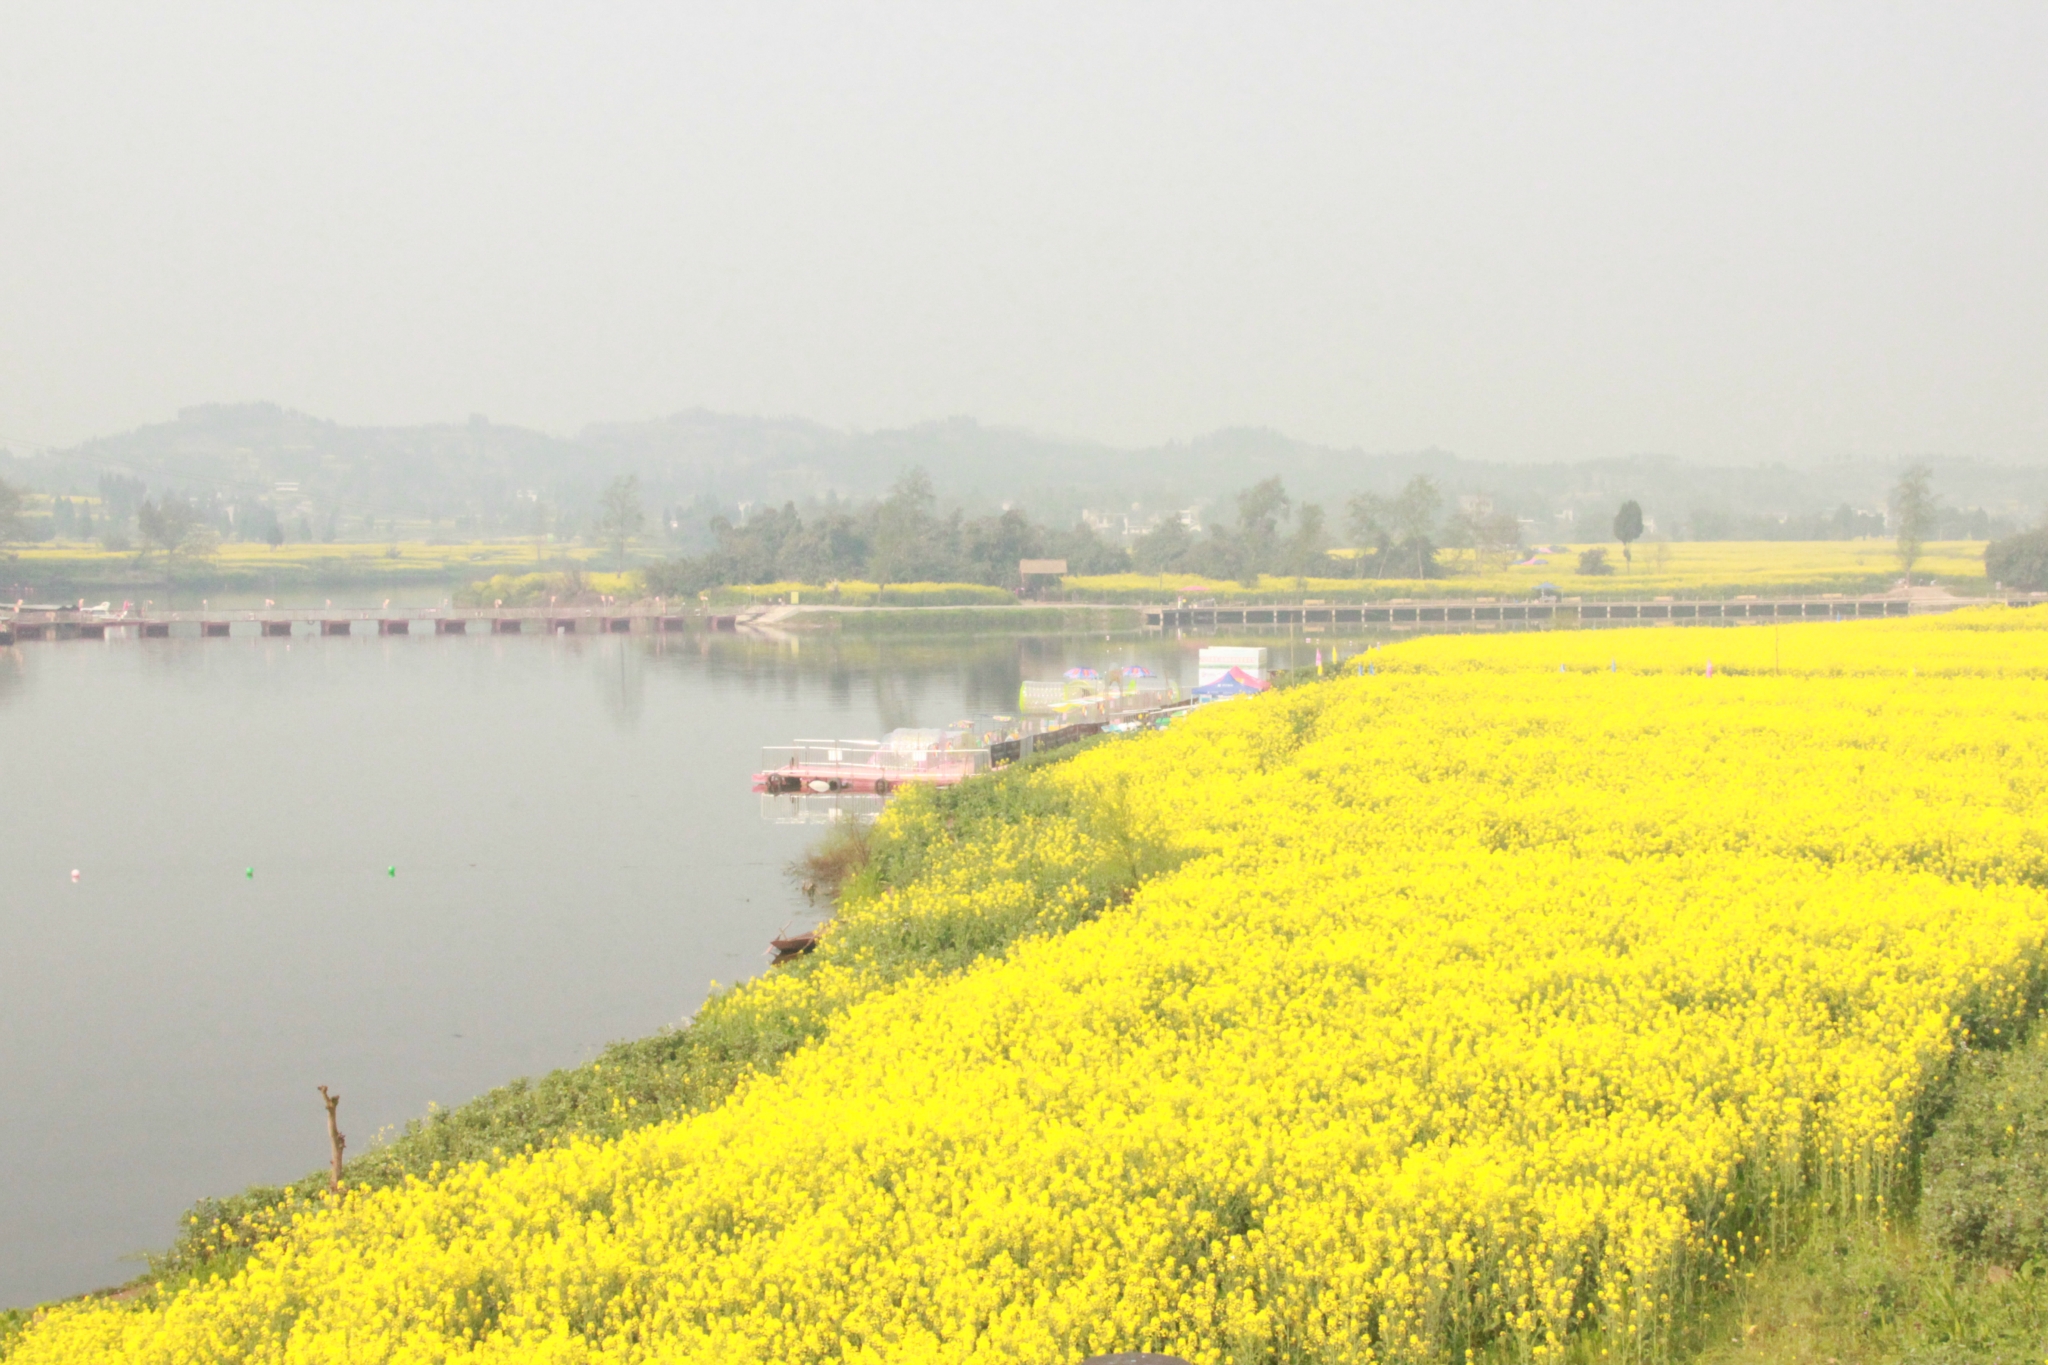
(487, 478)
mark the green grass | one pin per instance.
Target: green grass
(1961, 1274)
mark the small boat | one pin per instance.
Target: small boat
(795, 946)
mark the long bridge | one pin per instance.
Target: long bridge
(1482, 614)
(86, 623)
(44, 622)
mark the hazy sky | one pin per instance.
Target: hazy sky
(1513, 231)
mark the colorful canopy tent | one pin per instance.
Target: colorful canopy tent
(1083, 674)
(1235, 683)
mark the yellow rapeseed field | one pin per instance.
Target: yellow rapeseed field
(1710, 569)
(1510, 989)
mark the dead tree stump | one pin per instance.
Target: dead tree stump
(335, 1138)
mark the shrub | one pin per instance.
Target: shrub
(1593, 562)
(1986, 1191)
(2019, 561)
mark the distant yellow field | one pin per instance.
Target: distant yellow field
(1712, 568)
(86, 562)
(851, 593)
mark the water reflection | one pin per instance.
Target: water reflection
(578, 854)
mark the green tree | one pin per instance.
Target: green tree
(1414, 513)
(11, 525)
(1304, 549)
(1165, 547)
(164, 525)
(1912, 515)
(910, 543)
(1400, 530)
(2019, 561)
(1628, 528)
(620, 515)
(1260, 510)
(1370, 519)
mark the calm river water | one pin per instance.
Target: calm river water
(577, 858)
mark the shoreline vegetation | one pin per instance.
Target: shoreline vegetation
(480, 572)
(1764, 1086)
(883, 932)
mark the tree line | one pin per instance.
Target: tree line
(905, 538)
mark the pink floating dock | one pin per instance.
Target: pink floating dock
(865, 767)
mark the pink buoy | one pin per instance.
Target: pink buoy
(74, 874)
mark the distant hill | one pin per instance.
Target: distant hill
(481, 477)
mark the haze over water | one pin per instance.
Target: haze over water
(578, 856)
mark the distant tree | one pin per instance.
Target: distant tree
(2019, 561)
(260, 523)
(1400, 530)
(1593, 562)
(1628, 528)
(909, 541)
(620, 515)
(1260, 510)
(164, 525)
(1303, 553)
(825, 549)
(11, 524)
(1494, 535)
(1370, 519)
(1414, 513)
(1165, 547)
(1085, 551)
(538, 522)
(173, 526)
(1912, 507)
(994, 545)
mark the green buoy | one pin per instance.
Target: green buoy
(391, 871)
(250, 873)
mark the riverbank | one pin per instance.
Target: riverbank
(1712, 570)
(1355, 1014)
(888, 928)
(1050, 620)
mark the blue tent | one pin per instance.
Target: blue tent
(1235, 683)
